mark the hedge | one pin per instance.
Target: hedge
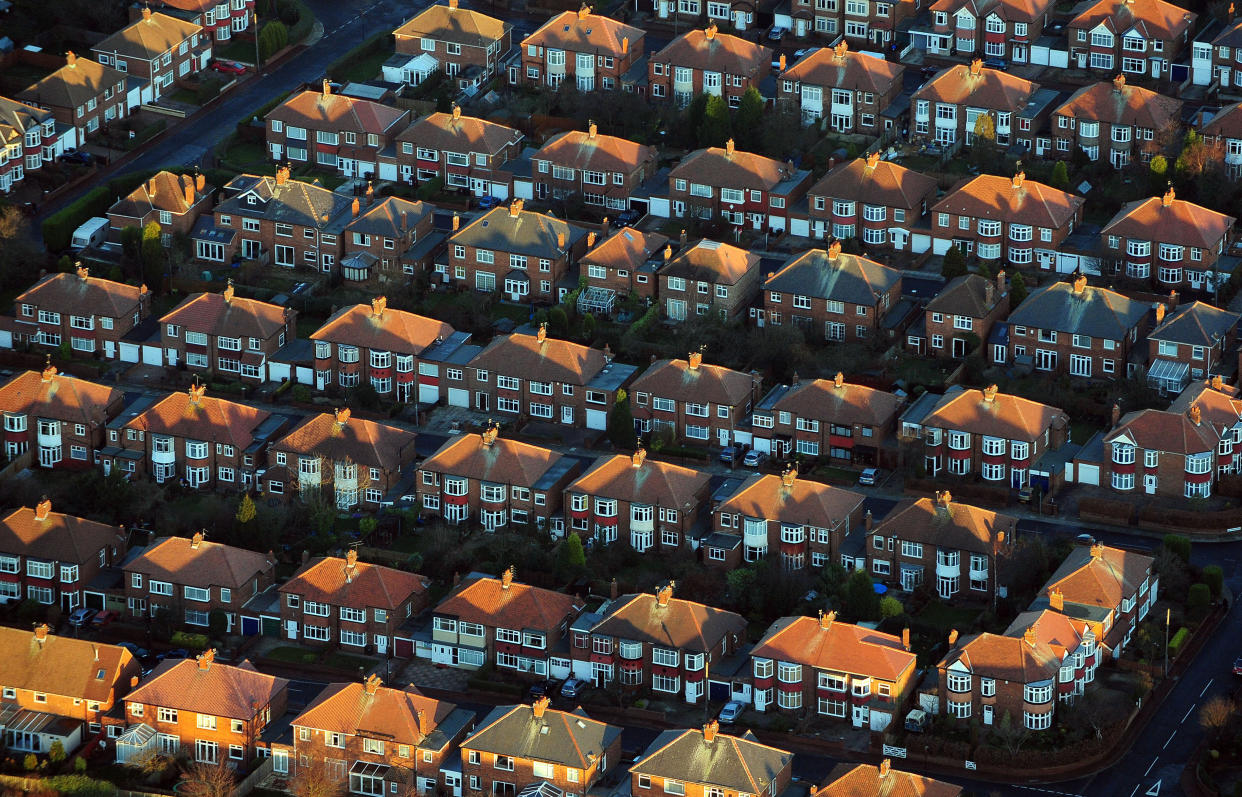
(1179, 639)
(191, 641)
(262, 110)
(299, 30)
(336, 70)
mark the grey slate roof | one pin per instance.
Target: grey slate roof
(1196, 324)
(526, 233)
(1096, 312)
(560, 737)
(734, 763)
(849, 278)
(294, 202)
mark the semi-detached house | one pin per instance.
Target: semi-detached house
(707, 62)
(58, 418)
(463, 43)
(843, 90)
(589, 50)
(464, 151)
(158, 49)
(1178, 243)
(222, 332)
(1003, 29)
(91, 313)
(947, 107)
(698, 762)
(29, 138)
(742, 188)
(828, 418)
(696, 401)
(840, 296)
(82, 94)
(1115, 122)
(874, 201)
(1140, 37)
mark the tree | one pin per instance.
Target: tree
(316, 780)
(558, 321)
(1060, 176)
(621, 424)
(1179, 545)
(1214, 577)
(17, 251)
(245, 509)
(891, 607)
(860, 601)
(1010, 736)
(207, 780)
(714, 129)
(152, 255)
(694, 115)
(588, 328)
(985, 128)
(56, 753)
(1198, 155)
(1198, 597)
(954, 263)
(272, 39)
(748, 118)
(1215, 715)
(1017, 289)
(571, 557)
(1094, 712)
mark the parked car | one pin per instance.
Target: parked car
(776, 34)
(730, 454)
(175, 653)
(138, 652)
(995, 63)
(1237, 666)
(753, 458)
(1026, 494)
(730, 712)
(869, 477)
(487, 202)
(228, 67)
(541, 689)
(628, 216)
(81, 616)
(573, 688)
(104, 617)
(75, 156)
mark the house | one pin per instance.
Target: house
(275, 220)
(28, 139)
(828, 418)
(378, 738)
(499, 621)
(742, 188)
(1011, 221)
(51, 557)
(516, 746)
(1178, 453)
(693, 400)
(947, 107)
(58, 418)
(861, 23)
(1073, 327)
(844, 295)
(174, 202)
(845, 89)
(465, 152)
(1141, 37)
(705, 761)
(960, 318)
(464, 42)
(869, 199)
(624, 264)
(540, 378)
(850, 672)
(1225, 129)
(522, 254)
(199, 439)
(706, 276)
(707, 62)
(865, 780)
(658, 642)
(603, 170)
(349, 134)
(990, 676)
(213, 712)
(1225, 59)
(225, 333)
(354, 461)
(1070, 638)
(82, 94)
(388, 240)
(54, 684)
(1177, 242)
(1221, 408)
(997, 435)
(196, 575)
(1126, 120)
(769, 513)
(158, 49)
(1112, 589)
(651, 504)
(923, 536)
(218, 18)
(91, 313)
(341, 601)
(380, 346)
(999, 29)
(494, 481)
(1192, 343)
(591, 50)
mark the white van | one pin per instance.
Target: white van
(91, 234)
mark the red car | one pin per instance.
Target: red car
(104, 617)
(228, 67)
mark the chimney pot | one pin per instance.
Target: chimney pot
(694, 360)
(952, 637)
(1160, 312)
(710, 730)
(665, 594)
(729, 148)
(506, 578)
(1056, 600)
(1168, 197)
(905, 638)
(637, 459)
(540, 706)
(826, 619)
(206, 658)
(868, 520)
(41, 631)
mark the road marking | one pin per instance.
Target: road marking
(1209, 684)
(1154, 791)
(1053, 791)
(1192, 708)
(1136, 788)
(1171, 735)
(1149, 766)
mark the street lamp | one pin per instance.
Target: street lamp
(258, 61)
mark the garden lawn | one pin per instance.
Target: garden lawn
(344, 661)
(946, 617)
(291, 654)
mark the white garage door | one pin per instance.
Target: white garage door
(152, 355)
(1089, 474)
(458, 397)
(596, 419)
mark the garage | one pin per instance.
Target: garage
(596, 419)
(1088, 474)
(458, 397)
(152, 355)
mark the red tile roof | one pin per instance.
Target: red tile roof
(340, 437)
(978, 87)
(64, 666)
(711, 51)
(1116, 103)
(220, 690)
(504, 603)
(57, 536)
(1019, 659)
(595, 151)
(841, 68)
(1172, 221)
(401, 716)
(197, 562)
(641, 480)
(381, 328)
(802, 502)
(829, 644)
(993, 414)
(323, 110)
(503, 461)
(867, 780)
(348, 582)
(1153, 19)
(581, 31)
(83, 295)
(876, 182)
(201, 418)
(695, 381)
(1015, 200)
(60, 396)
(227, 315)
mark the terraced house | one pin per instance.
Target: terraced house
(82, 94)
(869, 199)
(803, 520)
(158, 49)
(383, 347)
(51, 557)
(707, 62)
(463, 42)
(1002, 29)
(651, 504)
(498, 620)
(656, 642)
(603, 170)
(463, 151)
(695, 401)
(352, 135)
(828, 418)
(709, 277)
(835, 669)
(494, 481)
(1013, 221)
(1116, 122)
(591, 51)
(354, 461)
(59, 419)
(538, 378)
(226, 333)
(337, 600)
(840, 89)
(1177, 242)
(743, 189)
(844, 295)
(91, 313)
(947, 107)
(1141, 37)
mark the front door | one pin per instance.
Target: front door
(171, 355)
(251, 249)
(723, 435)
(480, 401)
(347, 166)
(48, 456)
(861, 716)
(567, 415)
(987, 715)
(959, 348)
(1149, 484)
(291, 629)
(478, 187)
(381, 644)
(453, 781)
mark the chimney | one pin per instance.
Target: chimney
(189, 194)
(952, 637)
(976, 66)
(794, 378)
(838, 380)
(196, 540)
(372, 685)
(378, 305)
(1159, 312)
(668, 252)
(196, 395)
(989, 293)
(1018, 179)
(613, 591)
(1168, 197)
(49, 371)
(1097, 550)
(840, 50)
(489, 435)
(357, 206)
(1119, 83)
(834, 251)
(1216, 383)
(560, 240)
(327, 89)
(729, 148)
(694, 360)
(200, 182)
(351, 564)
(1029, 635)
(424, 727)
(665, 594)
(603, 227)
(1196, 414)
(370, 193)
(592, 130)
(825, 619)
(625, 45)
(710, 730)
(542, 335)
(206, 658)
(282, 175)
(608, 355)
(342, 417)
(868, 521)
(1116, 416)
(873, 160)
(146, 14)
(506, 578)
(583, 11)
(989, 394)
(1080, 284)
(710, 32)
(905, 637)
(591, 239)
(71, 60)
(456, 222)
(41, 632)
(638, 457)
(1002, 285)
(1056, 600)
(228, 292)
(1172, 300)
(781, 64)
(885, 767)
(515, 208)
(540, 705)
(789, 477)
(456, 112)
(452, 5)
(944, 498)
(133, 682)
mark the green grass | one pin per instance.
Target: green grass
(1082, 431)
(344, 661)
(291, 654)
(364, 61)
(835, 474)
(184, 96)
(946, 617)
(240, 50)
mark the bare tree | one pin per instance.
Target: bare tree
(208, 780)
(1093, 711)
(1010, 735)
(1216, 714)
(316, 780)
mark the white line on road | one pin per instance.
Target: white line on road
(1135, 790)
(1205, 688)
(1192, 708)
(1149, 766)
(1171, 735)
